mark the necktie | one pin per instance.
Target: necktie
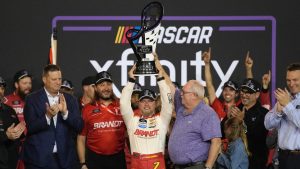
(52, 124)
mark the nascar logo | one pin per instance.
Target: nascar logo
(179, 35)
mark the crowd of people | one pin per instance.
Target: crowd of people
(179, 127)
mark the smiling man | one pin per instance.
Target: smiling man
(23, 86)
(285, 117)
(254, 120)
(147, 129)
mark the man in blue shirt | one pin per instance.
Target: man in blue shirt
(285, 117)
(195, 138)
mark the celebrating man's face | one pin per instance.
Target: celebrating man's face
(24, 86)
(293, 81)
(104, 90)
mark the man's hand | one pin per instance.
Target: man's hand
(266, 78)
(248, 61)
(62, 106)
(278, 108)
(206, 56)
(51, 110)
(130, 73)
(282, 96)
(236, 112)
(14, 132)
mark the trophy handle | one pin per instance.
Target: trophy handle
(131, 38)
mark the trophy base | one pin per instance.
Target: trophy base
(145, 68)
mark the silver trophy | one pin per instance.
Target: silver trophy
(150, 24)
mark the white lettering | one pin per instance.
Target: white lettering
(108, 124)
(125, 64)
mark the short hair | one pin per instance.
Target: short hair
(197, 88)
(293, 67)
(50, 68)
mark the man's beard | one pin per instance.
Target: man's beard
(147, 112)
(102, 97)
(21, 94)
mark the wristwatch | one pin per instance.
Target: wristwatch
(207, 167)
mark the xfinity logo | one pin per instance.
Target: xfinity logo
(126, 64)
(182, 39)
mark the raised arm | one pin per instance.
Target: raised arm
(125, 99)
(248, 65)
(265, 99)
(166, 99)
(206, 57)
(163, 73)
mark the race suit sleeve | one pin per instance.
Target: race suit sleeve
(125, 103)
(166, 102)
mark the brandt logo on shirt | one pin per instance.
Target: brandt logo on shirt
(108, 124)
(19, 110)
(143, 133)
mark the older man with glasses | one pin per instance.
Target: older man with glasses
(195, 139)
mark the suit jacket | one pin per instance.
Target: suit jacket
(40, 139)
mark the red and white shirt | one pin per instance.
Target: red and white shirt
(147, 135)
(17, 103)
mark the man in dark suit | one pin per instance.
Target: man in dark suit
(51, 118)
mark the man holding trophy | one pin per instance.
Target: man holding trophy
(146, 128)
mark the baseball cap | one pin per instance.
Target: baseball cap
(67, 84)
(103, 76)
(21, 74)
(2, 82)
(251, 86)
(147, 93)
(137, 88)
(231, 84)
(89, 80)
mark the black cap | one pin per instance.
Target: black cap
(67, 84)
(251, 86)
(103, 76)
(137, 88)
(88, 80)
(147, 93)
(2, 82)
(231, 84)
(21, 74)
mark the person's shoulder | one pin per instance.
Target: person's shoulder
(7, 108)
(262, 109)
(36, 93)
(69, 96)
(8, 97)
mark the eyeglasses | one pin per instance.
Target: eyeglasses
(185, 92)
(245, 93)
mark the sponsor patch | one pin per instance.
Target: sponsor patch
(142, 123)
(96, 111)
(152, 123)
(16, 102)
